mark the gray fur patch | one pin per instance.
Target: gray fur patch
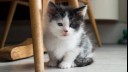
(86, 45)
(80, 62)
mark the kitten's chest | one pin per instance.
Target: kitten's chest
(60, 47)
(55, 44)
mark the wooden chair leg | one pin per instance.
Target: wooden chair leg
(73, 3)
(37, 34)
(93, 22)
(8, 22)
(57, 1)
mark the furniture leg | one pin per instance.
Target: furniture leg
(93, 22)
(37, 34)
(57, 1)
(8, 22)
(73, 3)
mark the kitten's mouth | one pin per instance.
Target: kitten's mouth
(65, 34)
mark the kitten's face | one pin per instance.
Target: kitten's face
(64, 21)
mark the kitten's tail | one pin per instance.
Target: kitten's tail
(81, 62)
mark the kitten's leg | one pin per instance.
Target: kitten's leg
(68, 60)
(53, 61)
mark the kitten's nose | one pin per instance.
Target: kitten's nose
(66, 31)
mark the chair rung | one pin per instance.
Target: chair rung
(23, 3)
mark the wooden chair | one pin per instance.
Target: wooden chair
(37, 13)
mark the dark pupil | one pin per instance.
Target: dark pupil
(73, 25)
(60, 24)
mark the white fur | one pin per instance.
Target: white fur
(69, 58)
(85, 10)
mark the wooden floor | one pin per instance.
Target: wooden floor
(110, 58)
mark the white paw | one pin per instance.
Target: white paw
(52, 64)
(73, 65)
(65, 65)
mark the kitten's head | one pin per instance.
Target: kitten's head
(65, 21)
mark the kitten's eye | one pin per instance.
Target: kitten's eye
(60, 24)
(72, 25)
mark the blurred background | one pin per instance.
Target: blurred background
(111, 17)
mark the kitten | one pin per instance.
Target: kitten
(65, 37)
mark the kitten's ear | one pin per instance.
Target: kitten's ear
(51, 8)
(82, 10)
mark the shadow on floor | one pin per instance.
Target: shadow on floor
(19, 67)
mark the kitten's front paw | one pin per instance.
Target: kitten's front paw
(65, 65)
(52, 64)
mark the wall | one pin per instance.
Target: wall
(111, 33)
(105, 9)
(111, 10)
(123, 10)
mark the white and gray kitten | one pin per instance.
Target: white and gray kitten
(65, 37)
